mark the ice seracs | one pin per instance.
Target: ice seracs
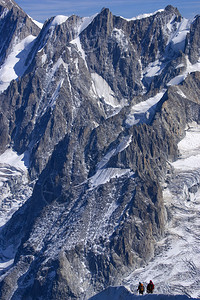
(14, 186)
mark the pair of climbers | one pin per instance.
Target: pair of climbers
(150, 288)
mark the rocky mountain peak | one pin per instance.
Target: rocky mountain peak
(171, 9)
(8, 4)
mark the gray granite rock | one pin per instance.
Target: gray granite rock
(96, 211)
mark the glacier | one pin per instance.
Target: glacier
(176, 267)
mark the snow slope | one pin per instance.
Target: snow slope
(121, 293)
(15, 64)
(144, 15)
(176, 41)
(144, 111)
(103, 90)
(189, 69)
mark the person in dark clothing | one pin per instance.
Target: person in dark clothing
(150, 287)
(140, 288)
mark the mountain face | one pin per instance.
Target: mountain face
(92, 114)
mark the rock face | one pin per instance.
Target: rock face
(97, 161)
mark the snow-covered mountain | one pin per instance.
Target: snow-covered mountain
(99, 155)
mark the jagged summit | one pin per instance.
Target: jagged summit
(10, 4)
(172, 9)
(104, 9)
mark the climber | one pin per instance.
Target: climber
(140, 288)
(150, 287)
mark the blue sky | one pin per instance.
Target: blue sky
(41, 10)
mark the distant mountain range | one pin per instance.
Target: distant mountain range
(99, 155)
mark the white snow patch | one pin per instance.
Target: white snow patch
(14, 65)
(4, 13)
(170, 25)
(43, 58)
(142, 112)
(121, 38)
(5, 265)
(180, 92)
(177, 80)
(11, 158)
(104, 91)
(105, 175)
(189, 148)
(122, 146)
(39, 24)
(139, 17)
(192, 139)
(85, 22)
(153, 69)
(58, 20)
(189, 69)
(180, 66)
(177, 38)
(77, 42)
